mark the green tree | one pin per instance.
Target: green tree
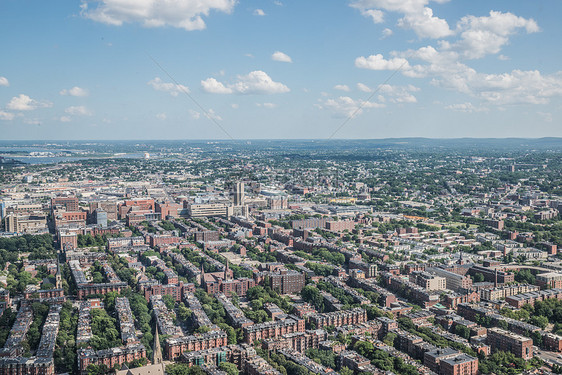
(229, 368)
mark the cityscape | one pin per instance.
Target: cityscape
(400, 256)
(277, 187)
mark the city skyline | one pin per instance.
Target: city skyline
(281, 70)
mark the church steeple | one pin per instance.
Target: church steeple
(157, 351)
(226, 271)
(58, 276)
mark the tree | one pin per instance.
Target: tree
(478, 277)
(169, 301)
(229, 368)
(346, 371)
(462, 331)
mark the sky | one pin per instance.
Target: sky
(279, 69)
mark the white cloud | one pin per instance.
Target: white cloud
(4, 82)
(211, 114)
(425, 25)
(75, 91)
(171, 88)
(376, 15)
(256, 82)
(25, 103)
(278, 3)
(399, 94)
(342, 87)
(363, 87)
(280, 56)
(213, 86)
(235, 105)
(466, 107)
(416, 15)
(480, 36)
(267, 105)
(344, 106)
(161, 116)
(6, 116)
(386, 33)
(515, 87)
(78, 110)
(65, 119)
(377, 62)
(184, 14)
(259, 12)
(503, 57)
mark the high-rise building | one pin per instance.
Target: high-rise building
(101, 217)
(239, 194)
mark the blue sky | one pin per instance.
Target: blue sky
(279, 69)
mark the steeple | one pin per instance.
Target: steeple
(226, 271)
(58, 276)
(157, 351)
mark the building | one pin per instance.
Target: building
(239, 194)
(453, 280)
(273, 329)
(174, 347)
(428, 281)
(461, 364)
(549, 280)
(287, 281)
(16, 223)
(209, 209)
(338, 318)
(507, 341)
(70, 204)
(520, 300)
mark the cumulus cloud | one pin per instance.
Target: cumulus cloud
(259, 12)
(213, 86)
(256, 82)
(480, 36)
(344, 106)
(280, 56)
(425, 24)
(377, 62)
(342, 87)
(184, 14)
(399, 94)
(6, 116)
(75, 91)
(25, 103)
(65, 119)
(161, 116)
(169, 87)
(477, 37)
(416, 15)
(4, 81)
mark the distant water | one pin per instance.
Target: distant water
(5, 151)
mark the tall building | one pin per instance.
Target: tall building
(239, 194)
